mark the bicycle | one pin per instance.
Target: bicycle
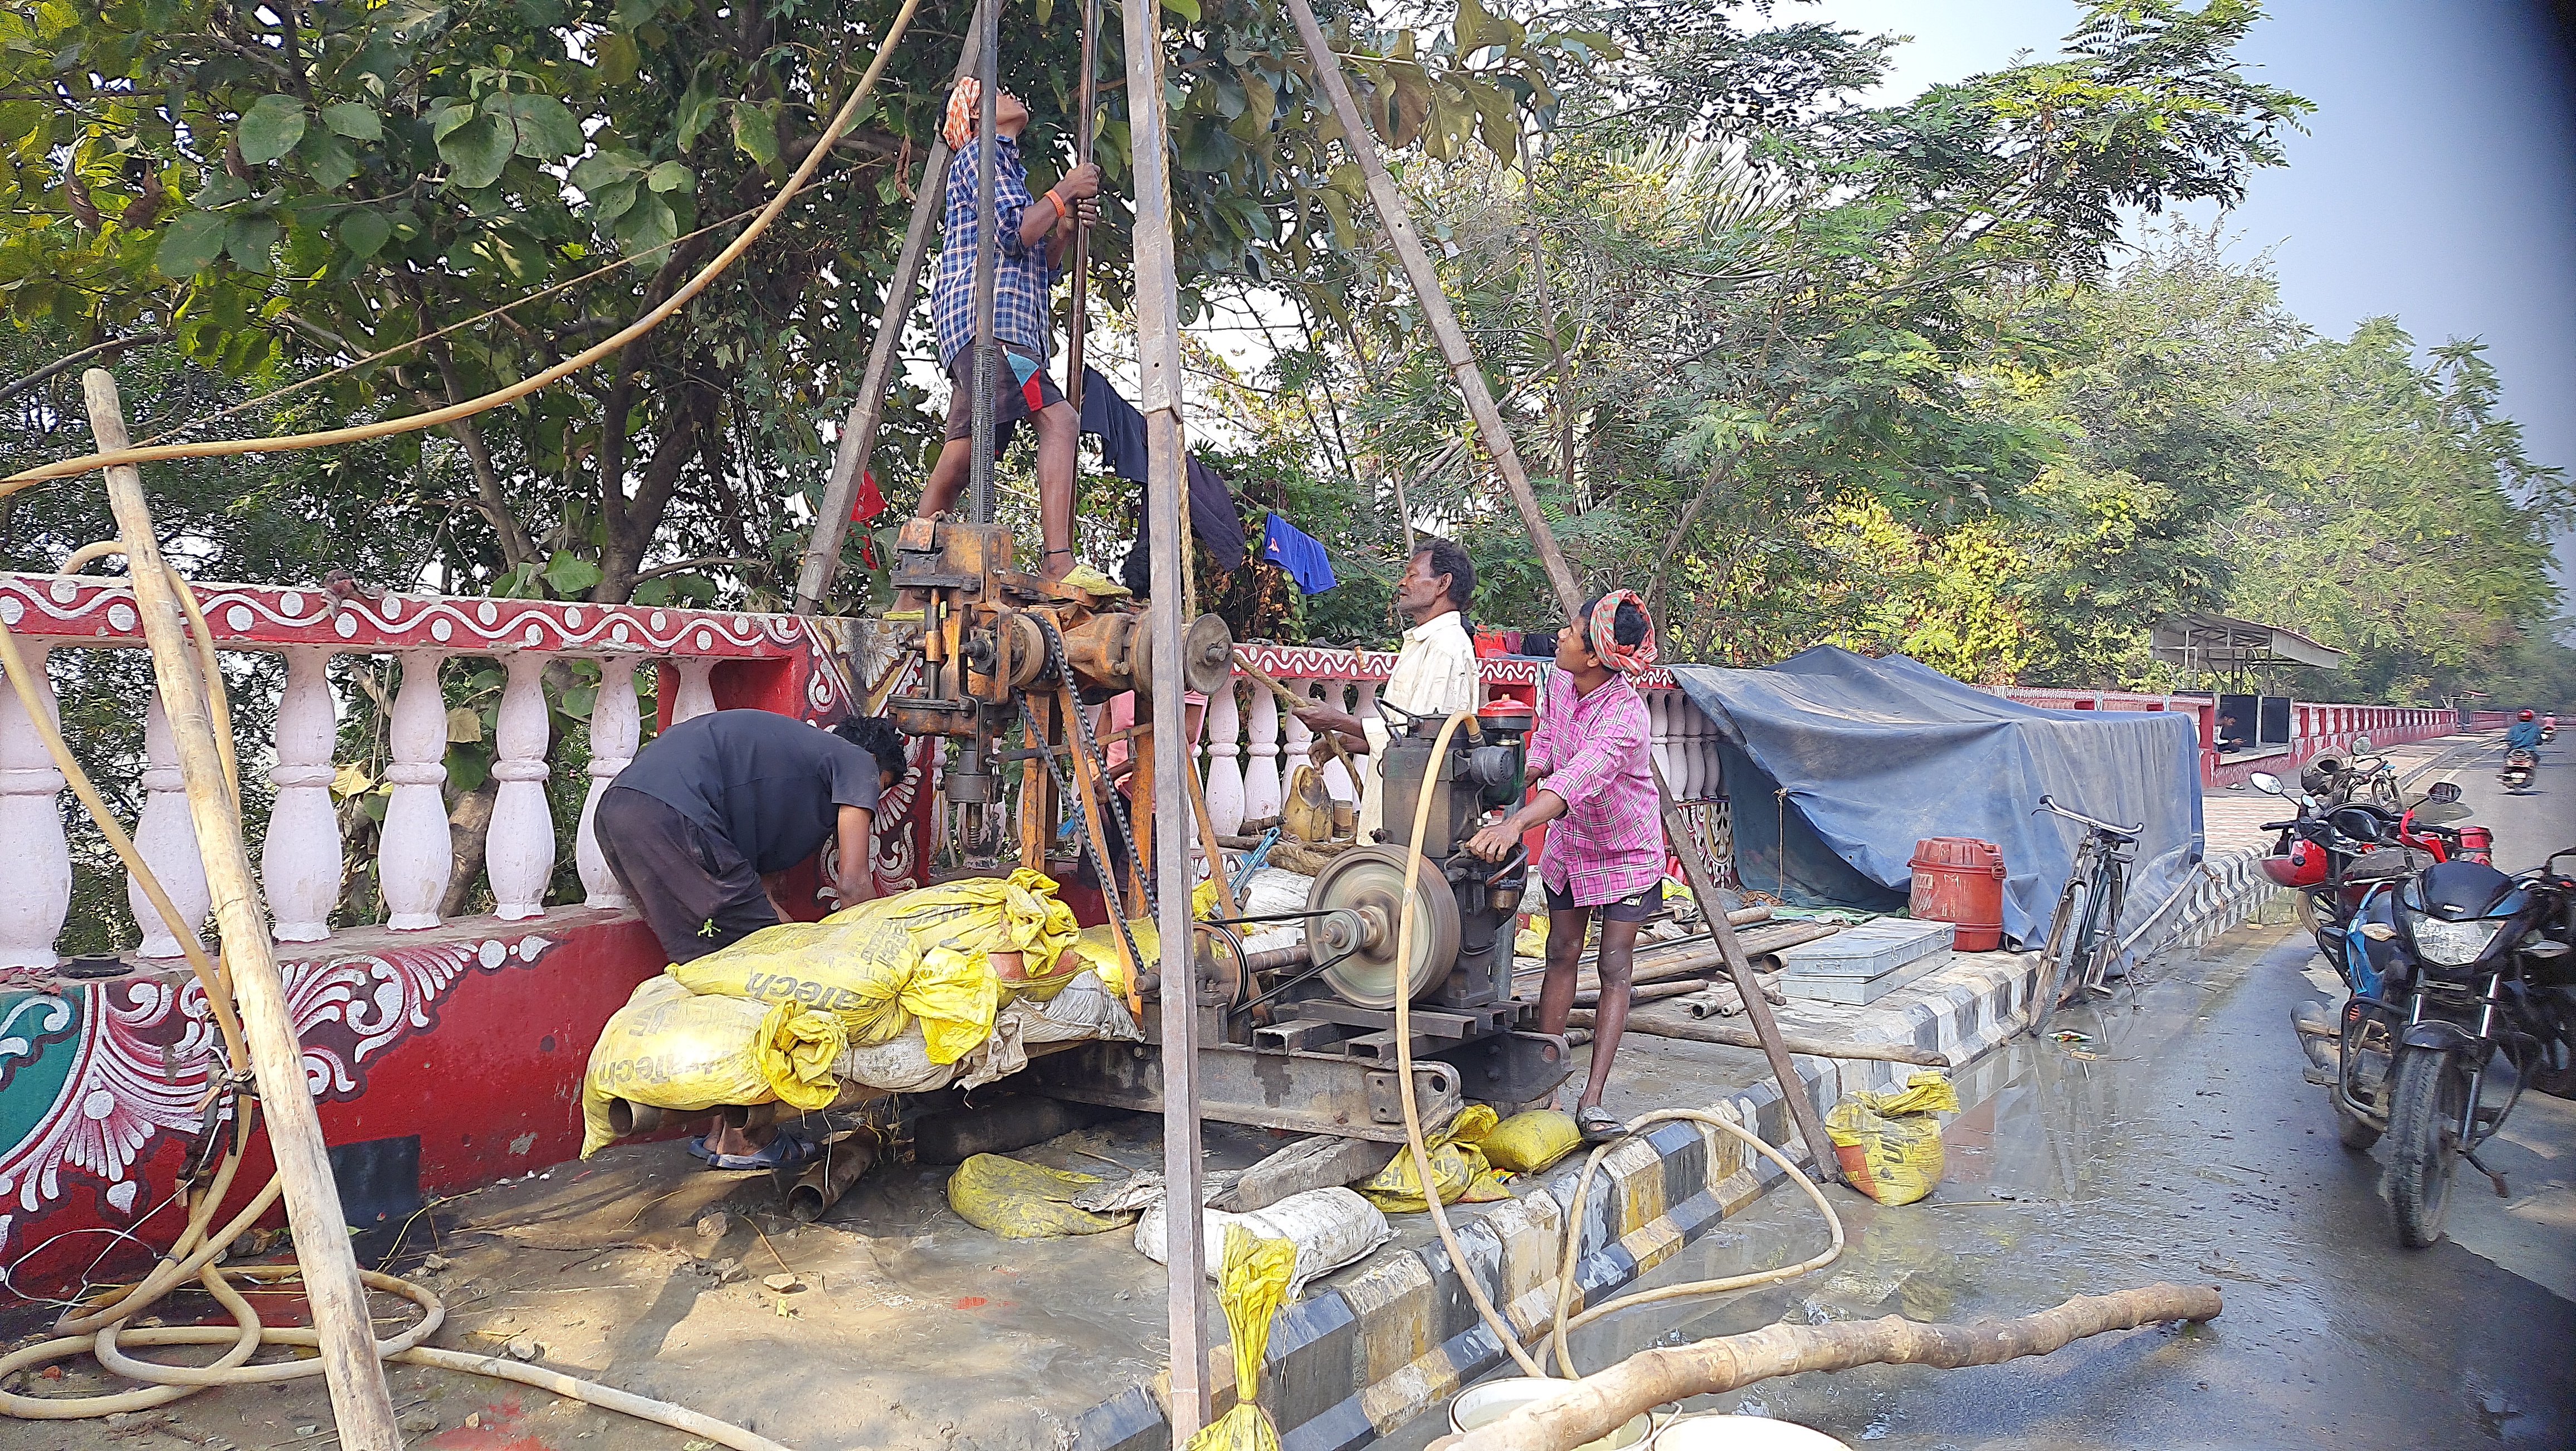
(2084, 935)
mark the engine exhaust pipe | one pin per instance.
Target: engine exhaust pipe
(845, 1157)
(625, 1116)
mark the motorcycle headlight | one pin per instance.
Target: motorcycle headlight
(2453, 944)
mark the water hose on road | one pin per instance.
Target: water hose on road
(1561, 1323)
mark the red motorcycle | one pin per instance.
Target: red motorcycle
(2332, 856)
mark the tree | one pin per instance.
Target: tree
(299, 185)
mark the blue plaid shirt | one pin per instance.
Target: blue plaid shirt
(1021, 281)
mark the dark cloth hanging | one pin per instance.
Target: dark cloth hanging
(1116, 423)
(1214, 520)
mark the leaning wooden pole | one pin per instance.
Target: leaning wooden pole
(1158, 352)
(867, 412)
(1757, 1008)
(1599, 1404)
(360, 1404)
(1435, 306)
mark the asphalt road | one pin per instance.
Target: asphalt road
(2181, 1143)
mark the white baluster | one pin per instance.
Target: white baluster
(615, 726)
(1337, 782)
(31, 828)
(1225, 762)
(519, 853)
(1261, 789)
(415, 856)
(1298, 748)
(166, 837)
(1703, 729)
(697, 695)
(1659, 718)
(299, 860)
(1692, 766)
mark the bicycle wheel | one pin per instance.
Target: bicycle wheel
(2075, 974)
(2052, 955)
(2102, 945)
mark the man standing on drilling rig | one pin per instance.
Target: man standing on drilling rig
(1435, 672)
(1594, 791)
(1034, 234)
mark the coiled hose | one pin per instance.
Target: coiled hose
(1561, 1323)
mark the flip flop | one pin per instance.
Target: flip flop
(781, 1153)
(1599, 1125)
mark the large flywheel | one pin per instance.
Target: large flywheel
(1361, 899)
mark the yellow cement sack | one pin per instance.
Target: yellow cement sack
(869, 974)
(673, 1049)
(1250, 1289)
(1025, 1201)
(1889, 1144)
(979, 916)
(1527, 1143)
(1458, 1168)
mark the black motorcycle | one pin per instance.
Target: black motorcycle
(2463, 994)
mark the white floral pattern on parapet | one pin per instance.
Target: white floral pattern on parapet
(144, 1056)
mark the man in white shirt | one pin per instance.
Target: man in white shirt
(1435, 673)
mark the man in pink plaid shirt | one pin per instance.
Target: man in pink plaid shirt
(1595, 793)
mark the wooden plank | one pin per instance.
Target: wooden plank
(360, 1404)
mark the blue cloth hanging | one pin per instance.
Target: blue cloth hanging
(1283, 544)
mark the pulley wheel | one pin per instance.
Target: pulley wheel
(1361, 897)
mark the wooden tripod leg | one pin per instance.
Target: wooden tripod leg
(1090, 789)
(1207, 839)
(360, 1405)
(1757, 1008)
(1037, 785)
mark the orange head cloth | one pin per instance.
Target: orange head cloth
(959, 127)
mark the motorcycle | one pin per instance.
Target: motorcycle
(2334, 856)
(2519, 764)
(2463, 993)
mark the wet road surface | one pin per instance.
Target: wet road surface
(2181, 1143)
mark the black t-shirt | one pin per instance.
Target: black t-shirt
(770, 784)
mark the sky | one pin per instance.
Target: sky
(2437, 181)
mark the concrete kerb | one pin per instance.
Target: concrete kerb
(1356, 1360)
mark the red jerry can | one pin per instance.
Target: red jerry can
(1961, 879)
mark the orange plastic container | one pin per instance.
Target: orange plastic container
(1960, 879)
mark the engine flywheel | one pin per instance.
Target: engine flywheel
(1360, 896)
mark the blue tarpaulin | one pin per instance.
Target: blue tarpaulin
(1854, 760)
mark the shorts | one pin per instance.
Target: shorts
(696, 892)
(1635, 908)
(1021, 390)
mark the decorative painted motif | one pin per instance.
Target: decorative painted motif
(1313, 662)
(133, 1058)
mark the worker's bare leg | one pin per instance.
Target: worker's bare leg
(1564, 963)
(724, 1138)
(938, 494)
(1618, 956)
(1059, 439)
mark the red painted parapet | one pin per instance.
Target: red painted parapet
(2315, 730)
(444, 1054)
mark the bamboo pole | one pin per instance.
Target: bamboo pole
(1435, 306)
(1757, 1009)
(1158, 353)
(867, 412)
(1599, 1404)
(360, 1404)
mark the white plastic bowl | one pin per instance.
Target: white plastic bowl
(1483, 1405)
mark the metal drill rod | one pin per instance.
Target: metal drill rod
(988, 247)
(1078, 320)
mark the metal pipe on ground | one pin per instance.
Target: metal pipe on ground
(845, 1157)
(1668, 1020)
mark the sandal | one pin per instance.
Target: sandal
(1599, 1125)
(782, 1153)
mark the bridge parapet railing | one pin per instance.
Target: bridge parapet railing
(701, 660)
